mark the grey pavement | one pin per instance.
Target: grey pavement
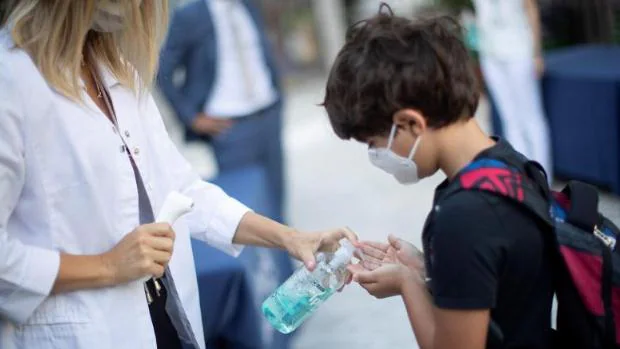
(332, 184)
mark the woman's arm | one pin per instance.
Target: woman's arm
(143, 252)
(225, 223)
(82, 272)
(257, 230)
(27, 273)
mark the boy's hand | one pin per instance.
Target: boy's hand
(396, 251)
(409, 255)
(375, 254)
(385, 281)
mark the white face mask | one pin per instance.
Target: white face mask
(109, 16)
(403, 169)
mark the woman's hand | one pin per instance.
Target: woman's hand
(304, 246)
(144, 252)
(257, 230)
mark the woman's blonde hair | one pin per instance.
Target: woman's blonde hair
(56, 34)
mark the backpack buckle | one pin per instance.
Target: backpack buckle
(606, 239)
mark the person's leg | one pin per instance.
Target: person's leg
(502, 91)
(528, 95)
(273, 159)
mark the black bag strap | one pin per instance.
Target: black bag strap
(606, 290)
(537, 173)
(583, 212)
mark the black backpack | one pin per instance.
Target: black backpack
(583, 243)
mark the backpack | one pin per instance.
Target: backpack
(586, 263)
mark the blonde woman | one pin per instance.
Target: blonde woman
(84, 161)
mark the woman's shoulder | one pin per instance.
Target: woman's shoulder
(21, 82)
(9, 53)
(16, 67)
(21, 78)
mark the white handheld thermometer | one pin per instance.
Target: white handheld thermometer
(175, 206)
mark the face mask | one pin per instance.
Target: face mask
(109, 16)
(403, 169)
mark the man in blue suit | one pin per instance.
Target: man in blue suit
(230, 96)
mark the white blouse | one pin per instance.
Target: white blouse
(66, 185)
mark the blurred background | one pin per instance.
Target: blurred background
(330, 183)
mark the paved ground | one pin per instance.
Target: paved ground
(332, 184)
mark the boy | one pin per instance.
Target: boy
(407, 89)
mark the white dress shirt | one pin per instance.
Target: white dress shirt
(504, 29)
(66, 185)
(243, 83)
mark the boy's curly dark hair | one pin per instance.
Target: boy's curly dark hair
(390, 63)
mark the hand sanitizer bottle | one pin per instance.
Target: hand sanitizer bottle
(299, 296)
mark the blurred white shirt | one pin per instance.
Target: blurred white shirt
(243, 83)
(504, 30)
(66, 185)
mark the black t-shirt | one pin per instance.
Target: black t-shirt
(489, 253)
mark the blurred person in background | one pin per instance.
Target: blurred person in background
(407, 89)
(85, 160)
(510, 48)
(230, 96)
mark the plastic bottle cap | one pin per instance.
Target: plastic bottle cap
(347, 246)
(343, 255)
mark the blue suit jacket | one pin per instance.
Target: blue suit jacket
(191, 46)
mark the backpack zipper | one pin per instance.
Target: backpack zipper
(607, 240)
